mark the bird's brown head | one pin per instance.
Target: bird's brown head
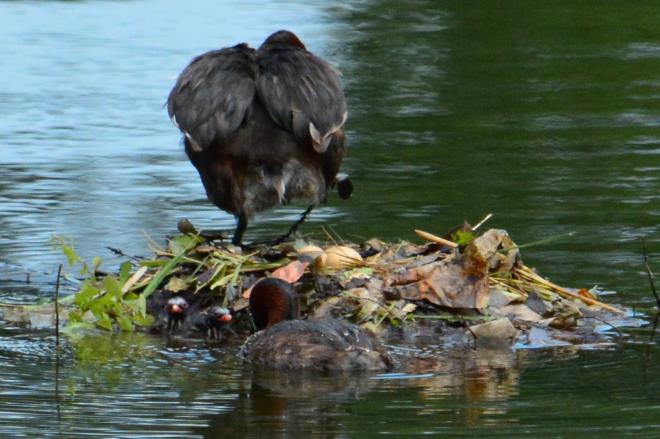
(284, 38)
(272, 301)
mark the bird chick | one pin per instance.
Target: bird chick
(217, 318)
(176, 308)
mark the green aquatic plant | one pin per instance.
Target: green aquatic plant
(103, 301)
(112, 301)
(463, 237)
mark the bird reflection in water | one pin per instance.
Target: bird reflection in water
(303, 404)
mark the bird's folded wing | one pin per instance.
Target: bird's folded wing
(301, 92)
(212, 95)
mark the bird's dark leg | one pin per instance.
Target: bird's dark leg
(294, 226)
(173, 323)
(240, 229)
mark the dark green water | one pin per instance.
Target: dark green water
(543, 113)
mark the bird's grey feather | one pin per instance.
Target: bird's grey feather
(213, 94)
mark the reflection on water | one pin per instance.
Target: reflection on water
(544, 114)
(132, 385)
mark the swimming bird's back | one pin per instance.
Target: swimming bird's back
(320, 344)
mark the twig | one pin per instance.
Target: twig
(451, 317)
(545, 240)
(433, 238)
(57, 307)
(655, 325)
(57, 344)
(388, 312)
(119, 252)
(481, 223)
(607, 323)
(329, 235)
(525, 271)
(388, 309)
(650, 273)
(134, 279)
(153, 245)
(57, 390)
(337, 235)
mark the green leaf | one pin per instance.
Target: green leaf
(169, 266)
(142, 305)
(125, 323)
(176, 284)
(96, 263)
(217, 272)
(112, 286)
(155, 263)
(86, 294)
(462, 237)
(360, 272)
(103, 320)
(75, 317)
(101, 303)
(71, 255)
(179, 245)
(235, 274)
(222, 281)
(124, 272)
(131, 296)
(143, 320)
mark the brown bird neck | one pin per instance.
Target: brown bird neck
(272, 301)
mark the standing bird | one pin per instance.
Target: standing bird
(262, 126)
(216, 320)
(176, 309)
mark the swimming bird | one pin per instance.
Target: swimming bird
(262, 127)
(319, 344)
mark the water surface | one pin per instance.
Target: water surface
(544, 114)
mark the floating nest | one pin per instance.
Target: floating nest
(475, 283)
(464, 280)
